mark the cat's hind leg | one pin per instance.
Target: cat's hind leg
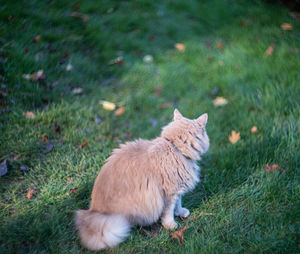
(179, 210)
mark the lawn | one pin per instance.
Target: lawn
(56, 135)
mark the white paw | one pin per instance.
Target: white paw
(182, 212)
(170, 224)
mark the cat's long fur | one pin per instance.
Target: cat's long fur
(143, 181)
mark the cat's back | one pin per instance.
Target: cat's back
(133, 150)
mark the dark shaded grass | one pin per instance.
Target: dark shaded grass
(252, 210)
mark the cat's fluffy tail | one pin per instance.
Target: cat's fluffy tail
(99, 231)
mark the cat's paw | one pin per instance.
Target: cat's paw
(182, 212)
(170, 224)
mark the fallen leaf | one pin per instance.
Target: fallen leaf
(49, 148)
(220, 46)
(179, 235)
(29, 115)
(210, 58)
(44, 138)
(77, 90)
(98, 119)
(37, 38)
(84, 17)
(54, 85)
(57, 128)
(108, 105)
(286, 26)
(234, 137)
(73, 190)
(30, 193)
(69, 67)
(180, 47)
(127, 135)
(148, 59)
(153, 122)
(253, 129)
(165, 105)
(120, 111)
(157, 91)
(3, 168)
(85, 143)
(219, 101)
(24, 168)
(221, 63)
(243, 23)
(215, 91)
(270, 50)
(117, 61)
(38, 76)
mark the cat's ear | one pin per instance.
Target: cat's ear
(202, 120)
(177, 115)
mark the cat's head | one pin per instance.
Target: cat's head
(188, 135)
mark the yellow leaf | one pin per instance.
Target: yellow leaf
(108, 105)
(286, 26)
(219, 101)
(180, 47)
(120, 111)
(29, 115)
(30, 193)
(270, 50)
(234, 137)
(253, 129)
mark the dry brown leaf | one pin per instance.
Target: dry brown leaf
(29, 115)
(157, 91)
(108, 105)
(286, 26)
(120, 111)
(219, 101)
(44, 138)
(30, 193)
(37, 38)
(165, 105)
(220, 46)
(179, 235)
(57, 128)
(270, 50)
(253, 129)
(244, 23)
(234, 137)
(180, 47)
(85, 143)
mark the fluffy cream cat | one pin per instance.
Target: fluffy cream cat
(143, 181)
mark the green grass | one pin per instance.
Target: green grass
(253, 211)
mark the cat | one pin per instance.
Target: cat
(143, 181)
